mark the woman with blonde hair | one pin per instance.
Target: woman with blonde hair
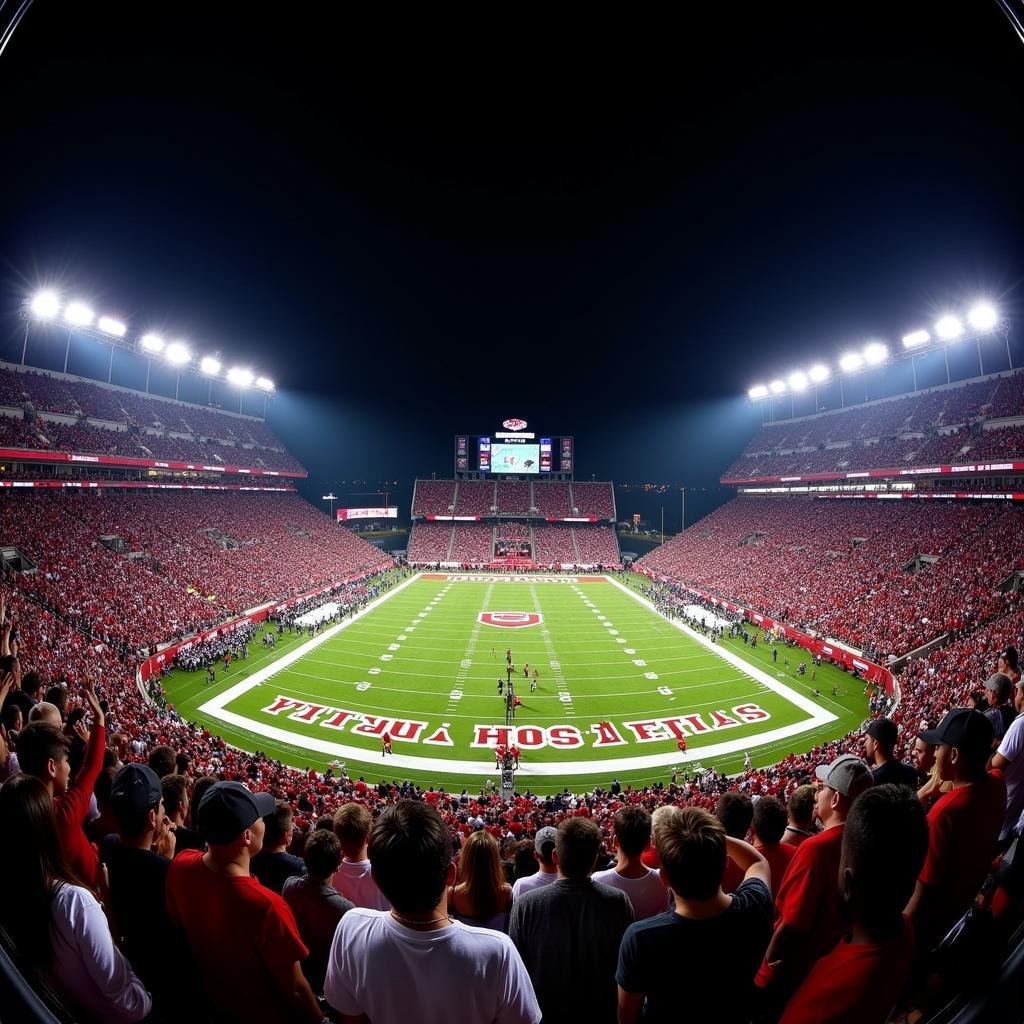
(481, 897)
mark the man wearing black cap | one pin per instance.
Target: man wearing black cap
(244, 937)
(963, 826)
(879, 742)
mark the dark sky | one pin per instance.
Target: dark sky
(610, 228)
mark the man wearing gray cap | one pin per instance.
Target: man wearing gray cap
(810, 920)
(543, 848)
(243, 936)
(1000, 712)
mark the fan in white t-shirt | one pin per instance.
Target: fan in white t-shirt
(630, 875)
(543, 848)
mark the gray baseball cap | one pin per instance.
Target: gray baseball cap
(847, 774)
(545, 836)
(1000, 684)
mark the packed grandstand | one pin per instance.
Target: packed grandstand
(101, 580)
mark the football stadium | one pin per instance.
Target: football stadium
(482, 737)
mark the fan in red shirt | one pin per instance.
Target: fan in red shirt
(243, 937)
(884, 844)
(963, 826)
(768, 826)
(809, 922)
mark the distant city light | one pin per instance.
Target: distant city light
(178, 353)
(79, 314)
(152, 343)
(915, 339)
(875, 353)
(798, 381)
(757, 391)
(949, 327)
(45, 305)
(240, 377)
(819, 373)
(210, 366)
(851, 362)
(983, 316)
(108, 325)
(264, 384)
(777, 387)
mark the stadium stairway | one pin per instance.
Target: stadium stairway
(451, 536)
(575, 546)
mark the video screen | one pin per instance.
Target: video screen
(515, 458)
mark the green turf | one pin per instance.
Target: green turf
(438, 668)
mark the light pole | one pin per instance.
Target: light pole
(332, 498)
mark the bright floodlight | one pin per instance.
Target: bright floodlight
(78, 313)
(108, 325)
(152, 343)
(916, 338)
(45, 305)
(818, 373)
(983, 316)
(875, 353)
(798, 381)
(210, 366)
(851, 362)
(177, 354)
(757, 391)
(777, 386)
(949, 327)
(240, 377)
(264, 384)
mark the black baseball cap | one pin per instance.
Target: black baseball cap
(227, 809)
(135, 790)
(964, 728)
(884, 730)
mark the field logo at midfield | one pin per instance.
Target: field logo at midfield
(510, 620)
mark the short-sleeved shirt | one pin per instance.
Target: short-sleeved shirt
(530, 882)
(854, 984)
(354, 881)
(724, 951)
(648, 894)
(963, 827)
(380, 968)
(778, 856)
(317, 908)
(1011, 748)
(239, 933)
(274, 869)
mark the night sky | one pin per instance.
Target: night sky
(609, 228)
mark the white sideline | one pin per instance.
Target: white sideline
(216, 708)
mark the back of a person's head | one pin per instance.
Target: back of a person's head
(57, 696)
(322, 854)
(199, 788)
(175, 791)
(31, 682)
(632, 830)
(278, 822)
(885, 841)
(163, 760)
(39, 743)
(691, 848)
(735, 811)
(524, 860)
(769, 822)
(481, 873)
(44, 711)
(32, 865)
(577, 845)
(410, 855)
(801, 805)
(352, 824)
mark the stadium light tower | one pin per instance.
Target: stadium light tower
(45, 305)
(332, 498)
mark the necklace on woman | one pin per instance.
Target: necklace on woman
(409, 923)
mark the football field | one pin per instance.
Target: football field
(617, 687)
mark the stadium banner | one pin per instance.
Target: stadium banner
(142, 485)
(837, 654)
(980, 467)
(118, 460)
(344, 514)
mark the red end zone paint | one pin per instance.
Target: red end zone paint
(510, 620)
(591, 579)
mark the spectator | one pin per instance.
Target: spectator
(544, 852)
(163, 761)
(480, 896)
(176, 808)
(1007, 664)
(963, 826)
(273, 864)
(57, 926)
(1009, 760)
(692, 847)
(377, 964)
(57, 696)
(1000, 712)
(880, 739)
(568, 933)
(213, 898)
(354, 878)
(137, 861)
(643, 885)
(809, 922)
(316, 904)
(29, 693)
(43, 752)
(884, 845)
(800, 825)
(768, 826)
(735, 811)
(44, 711)
(929, 786)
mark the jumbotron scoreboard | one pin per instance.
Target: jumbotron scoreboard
(515, 450)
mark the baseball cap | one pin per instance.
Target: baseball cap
(847, 774)
(1000, 684)
(228, 809)
(135, 789)
(965, 729)
(884, 730)
(1009, 655)
(546, 836)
